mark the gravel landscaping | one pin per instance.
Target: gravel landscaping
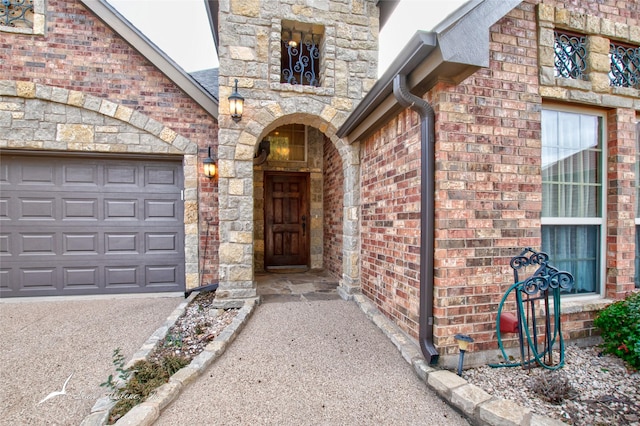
(597, 389)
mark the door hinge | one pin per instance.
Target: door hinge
(182, 195)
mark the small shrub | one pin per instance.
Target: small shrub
(553, 386)
(619, 325)
(123, 374)
(145, 378)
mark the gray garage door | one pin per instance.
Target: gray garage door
(90, 225)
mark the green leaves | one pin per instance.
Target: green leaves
(619, 324)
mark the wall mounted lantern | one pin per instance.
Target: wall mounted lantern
(209, 166)
(236, 104)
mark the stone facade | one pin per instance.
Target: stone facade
(488, 199)
(250, 51)
(53, 99)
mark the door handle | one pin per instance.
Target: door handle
(304, 224)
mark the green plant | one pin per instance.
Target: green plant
(619, 324)
(123, 373)
(146, 378)
(173, 340)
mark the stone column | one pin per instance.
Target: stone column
(350, 282)
(236, 222)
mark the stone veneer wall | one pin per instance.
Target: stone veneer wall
(488, 178)
(333, 194)
(73, 58)
(250, 50)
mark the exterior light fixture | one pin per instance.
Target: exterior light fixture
(236, 104)
(463, 343)
(209, 166)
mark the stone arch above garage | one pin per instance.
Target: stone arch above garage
(35, 117)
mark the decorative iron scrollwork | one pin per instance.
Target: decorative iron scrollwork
(545, 277)
(300, 63)
(570, 54)
(16, 13)
(625, 66)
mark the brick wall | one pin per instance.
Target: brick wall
(79, 52)
(333, 195)
(390, 220)
(488, 183)
(488, 194)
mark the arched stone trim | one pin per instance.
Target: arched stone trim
(236, 151)
(80, 137)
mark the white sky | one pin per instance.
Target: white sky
(181, 28)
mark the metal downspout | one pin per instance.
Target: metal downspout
(427, 191)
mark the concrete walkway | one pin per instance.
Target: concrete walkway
(309, 361)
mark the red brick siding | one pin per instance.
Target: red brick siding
(333, 195)
(488, 184)
(621, 232)
(488, 195)
(390, 220)
(79, 52)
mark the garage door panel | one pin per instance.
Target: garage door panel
(5, 280)
(5, 244)
(37, 243)
(81, 278)
(37, 208)
(38, 278)
(86, 175)
(4, 208)
(121, 242)
(75, 244)
(161, 209)
(122, 276)
(161, 242)
(120, 209)
(4, 172)
(90, 225)
(121, 175)
(160, 275)
(160, 176)
(74, 208)
(37, 173)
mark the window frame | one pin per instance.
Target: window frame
(601, 221)
(306, 146)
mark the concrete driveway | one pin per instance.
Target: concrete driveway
(44, 342)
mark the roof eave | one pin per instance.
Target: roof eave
(111, 17)
(454, 50)
(212, 13)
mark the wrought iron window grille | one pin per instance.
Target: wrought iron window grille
(300, 58)
(16, 13)
(570, 53)
(625, 66)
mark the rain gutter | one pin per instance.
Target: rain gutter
(427, 221)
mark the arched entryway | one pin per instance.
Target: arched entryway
(329, 173)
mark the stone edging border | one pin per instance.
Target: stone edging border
(148, 412)
(478, 406)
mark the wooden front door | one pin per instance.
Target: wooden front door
(287, 220)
